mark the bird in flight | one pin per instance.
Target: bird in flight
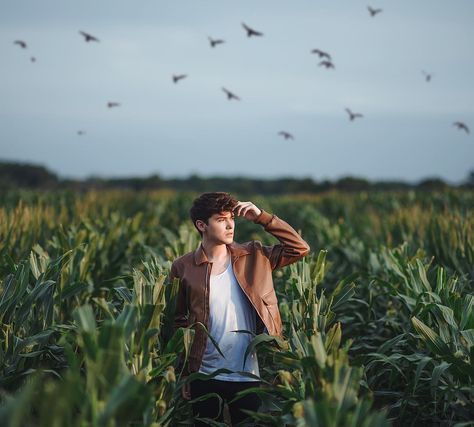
(321, 54)
(427, 76)
(33, 59)
(327, 64)
(352, 115)
(251, 32)
(215, 42)
(178, 77)
(230, 95)
(20, 43)
(461, 126)
(111, 104)
(88, 37)
(81, 132)
(373, 12)
(286, 135)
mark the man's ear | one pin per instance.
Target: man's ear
(201, 225)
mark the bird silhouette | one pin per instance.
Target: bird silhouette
(88, 37)
(373, 12)
(352, 115)
(111, 104)
(33, 59)
(178, 77)
(286, 135)
(81, 132)
(327, 64)
(427, 76)
(215, 42)
(461, 126)
(251, 32)
(230, 95)
(20, 43)
(321, 54)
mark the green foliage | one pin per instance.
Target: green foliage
(378, 320)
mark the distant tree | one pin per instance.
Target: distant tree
(25, 175)
(350, 183)
(391, 186)
(430, 184)
(470, 179)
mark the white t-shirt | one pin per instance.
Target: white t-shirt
(229, 310)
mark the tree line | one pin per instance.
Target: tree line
(15, 175)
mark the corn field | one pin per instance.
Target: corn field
(378, 319)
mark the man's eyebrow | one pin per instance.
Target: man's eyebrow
(225, 216)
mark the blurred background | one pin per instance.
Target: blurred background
(406, 67)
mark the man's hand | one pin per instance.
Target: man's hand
(248, 210)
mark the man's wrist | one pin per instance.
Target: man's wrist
(264, 218)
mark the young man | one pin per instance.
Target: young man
(228, 286)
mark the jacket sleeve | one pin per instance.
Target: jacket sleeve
(181, 312)
(291, 248)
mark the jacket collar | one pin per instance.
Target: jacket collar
(236, 250)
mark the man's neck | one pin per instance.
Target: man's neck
(214, 252)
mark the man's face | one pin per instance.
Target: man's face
(219, 228)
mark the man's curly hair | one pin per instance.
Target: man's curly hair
(208, 204)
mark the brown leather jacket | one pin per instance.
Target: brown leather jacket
(252, 264)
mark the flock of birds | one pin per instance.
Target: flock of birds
(326, 61)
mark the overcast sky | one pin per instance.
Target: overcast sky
(406, 131)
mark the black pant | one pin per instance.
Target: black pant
(227, 390)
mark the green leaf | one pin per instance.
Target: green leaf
(342, 294)
(264, 338)
(468, 335)
(432, 339)
(84, 318)
(438, 371)
(333, 338)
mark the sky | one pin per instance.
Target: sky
(175, 130)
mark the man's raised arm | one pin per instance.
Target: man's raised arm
(292, 247)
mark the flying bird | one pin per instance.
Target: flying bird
(461, 126)
(88, 37)
(251, 32)
(327, 64)
(321, 54)
(33, 59)
(20, 43)
(373, 12)
(178, 77)
(286, 135)
(113, 104)
(230, 95)
(352, 115)
(215, 42)
(81, 132)
(427, 76)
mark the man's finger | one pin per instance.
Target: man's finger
(237, 208)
